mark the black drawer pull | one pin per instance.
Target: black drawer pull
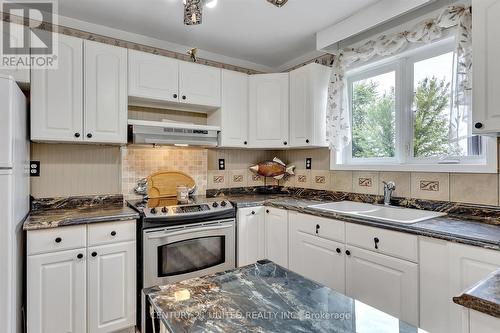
(79, 256)
(58, 240)
(339, 250)
(376, 240)
(348, 252)
(175, 95)
(317, 228)
(253, 213)
(113, 233)
(89, 135)
(267, 211)
(94, 254)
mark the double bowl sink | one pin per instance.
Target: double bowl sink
(378, 212)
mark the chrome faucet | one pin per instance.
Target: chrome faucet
(389, 188)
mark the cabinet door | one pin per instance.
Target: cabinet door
(251, 235)
(468, 266)
(15, 38)
(56, 291)
(234, 109)
(152, 76)
(308, 98)
(483, 323)
(277, 236)
(112, 283)
(486, 74)
(199, 84)
(315, 257)
(57, 95)
(386, 283)
(268, 118)
(105, 93)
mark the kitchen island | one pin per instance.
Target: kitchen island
(263, 297)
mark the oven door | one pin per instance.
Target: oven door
(179, 253)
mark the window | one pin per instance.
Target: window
(403, 114)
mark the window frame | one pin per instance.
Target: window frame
(404, 160)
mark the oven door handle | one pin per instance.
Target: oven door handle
(187, 231)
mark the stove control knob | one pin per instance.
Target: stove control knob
(215, 205)
(153, 210)
(164, 210)
(223, 204)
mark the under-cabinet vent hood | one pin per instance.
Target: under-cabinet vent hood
(172, 133)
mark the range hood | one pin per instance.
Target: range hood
(172, 133)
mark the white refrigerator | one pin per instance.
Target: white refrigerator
(14, 201)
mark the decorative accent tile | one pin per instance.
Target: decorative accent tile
(255, 180)
(288, 181)
(320, 179)
(365, 182)
(237, 178)
(303, 178)
(217, 179)
(429, 185)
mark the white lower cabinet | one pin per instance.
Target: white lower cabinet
(446, 270)
(111, 287)
(386, 283)
(277, 235)
(83, 290)
(483, 323)
(57, 292)
(251, 235)
(313, 253)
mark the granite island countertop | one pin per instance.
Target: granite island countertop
(484, 296)
(265, 297)
(59, 212)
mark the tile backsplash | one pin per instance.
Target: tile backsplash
(139, 162)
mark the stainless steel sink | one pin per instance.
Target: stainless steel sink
(379, 213)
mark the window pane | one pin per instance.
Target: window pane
(373, 117)
(440, 128)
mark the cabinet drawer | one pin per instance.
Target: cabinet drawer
(111, 232)
(393, 243)
(56, 239)
(318, 226)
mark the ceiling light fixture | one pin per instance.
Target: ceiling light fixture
(278, 3)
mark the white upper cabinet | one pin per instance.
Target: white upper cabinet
(106, 104)
(269, 108)
(57, 96)
(153, 76)
(308, 99)
(486, 73)
(199, 84)
(234, 109)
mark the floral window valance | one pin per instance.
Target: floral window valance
(458, 17)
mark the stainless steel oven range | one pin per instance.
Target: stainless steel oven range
(179, 242)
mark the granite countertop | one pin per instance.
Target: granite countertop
(454, 229)
(265, 297)
(484, 296)
(58, 212)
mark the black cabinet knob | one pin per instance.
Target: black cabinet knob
(376, 240)
(153, 210)
(89, 135)
(215, 205)
(113, 233)
(184, 97)
(77, 135)
(348, 252)
(267, 211)
(94, 254)
(307, 141)
(175, 95)
(285, 143)
(164, 210)
(58, 240)
(223, 204)
(245, 143)
(338, 250)
(79, 256)
(478, 125)
(253, 213)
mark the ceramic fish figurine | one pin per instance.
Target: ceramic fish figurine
(275, 169)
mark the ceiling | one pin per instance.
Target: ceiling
(251, 30)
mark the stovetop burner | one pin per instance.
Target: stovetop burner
(168, 210)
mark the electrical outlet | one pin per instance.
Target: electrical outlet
(308, 163)
(35, 169)
(222, 164)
